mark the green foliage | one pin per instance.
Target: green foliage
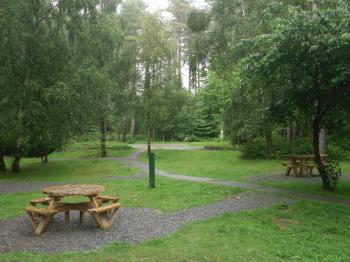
(333, 172)
(254, 149)
(334, 151)
(198, 21)
(297, 146)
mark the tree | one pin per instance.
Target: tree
(131, 15)
(34, 38)
(307, 52)
(197, 47)
(99, 65)
(157, 54)
(180, 10)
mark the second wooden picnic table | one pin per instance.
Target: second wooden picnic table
(301, 164)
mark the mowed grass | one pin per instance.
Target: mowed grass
(169, 195)
(305, 231)
(92, 150)
(342, 189)
(228, 165)
(32, 170)
(225, 164)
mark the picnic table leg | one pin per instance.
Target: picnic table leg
(81, 217)
(66, 217)
(295, 168)
(300, 173)
(41, 227)
(303, 168)
(94, 201)
(40, 221)
(289, 169)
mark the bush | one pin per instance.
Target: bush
(298, 146)
(337, 152)
(333, 172)
(254, 149)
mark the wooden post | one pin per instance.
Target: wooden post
(152, 171)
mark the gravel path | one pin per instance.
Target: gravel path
(15, 187)
(143, 147)
(133, 161)
(132, 225)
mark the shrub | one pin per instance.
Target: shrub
(337, 152)
(298, 146)
(333, 172)
(254, 149)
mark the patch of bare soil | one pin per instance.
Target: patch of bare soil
(284, 223)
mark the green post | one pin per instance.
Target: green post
(152, 170)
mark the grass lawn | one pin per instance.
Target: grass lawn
(92, 149)
(342, 189)
(227, 165)
(220, 144)
(215, 164)
(169, 195)
(306, 231)
(68, 170)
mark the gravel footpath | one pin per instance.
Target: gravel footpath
(18, 187)
(132, 225)
(134, 162)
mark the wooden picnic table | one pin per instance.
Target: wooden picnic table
(300, 164)
(55, 205)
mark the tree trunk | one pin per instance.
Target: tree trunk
(179, 57)
(2, 161)
(132, 127)
(44, 154)
(322, 146)
(243, 11)
(103, 130)
(189, 78)
(316, 145)
(295, 131)
(222, 134)
(17, 160)
(125, 129)
(269, 143)
(198, 76)
(289, 134)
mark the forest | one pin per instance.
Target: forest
(271, 77)
(174, 130)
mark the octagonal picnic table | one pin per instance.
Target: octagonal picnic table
(55, 205)
(58, 192)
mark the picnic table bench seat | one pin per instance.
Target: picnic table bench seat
(43, 201)
(106, 199)
(40, 217)
(104, 216)
(40, 210)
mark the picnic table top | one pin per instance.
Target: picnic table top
(73, 190)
